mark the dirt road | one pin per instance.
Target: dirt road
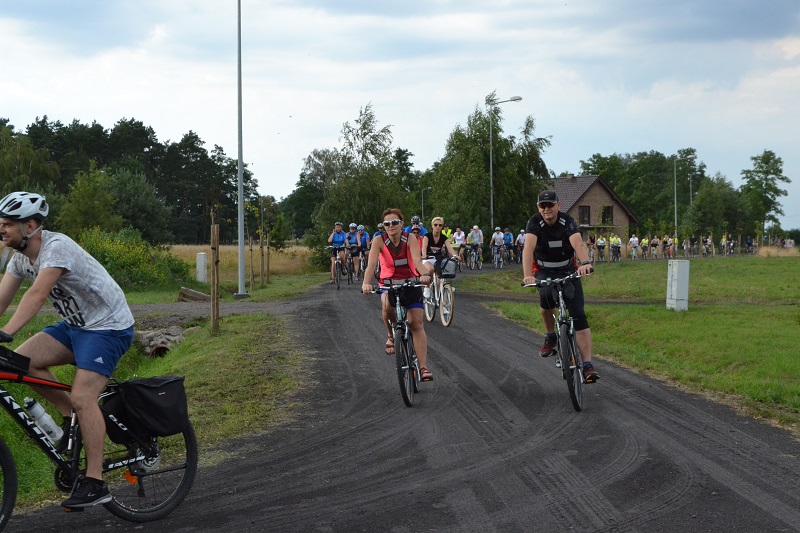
(493, 444)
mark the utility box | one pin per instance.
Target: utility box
(678, 285)
(202, 264)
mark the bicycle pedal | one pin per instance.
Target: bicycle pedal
(558, 362)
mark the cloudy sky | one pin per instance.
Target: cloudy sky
(721, 76)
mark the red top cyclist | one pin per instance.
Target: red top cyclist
(398, 255)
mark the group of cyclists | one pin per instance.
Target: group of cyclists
(654, 247)
(549, 246)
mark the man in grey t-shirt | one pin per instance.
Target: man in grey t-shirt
(95, 331)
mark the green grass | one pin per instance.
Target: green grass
(738, 341)
(742, 280)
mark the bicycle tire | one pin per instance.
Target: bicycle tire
(152, 489)
(338, 275)
(350, 275)
(567, 363)
(447, 305)
(471, 261)
(8, 484)
(405, 370)
(430, 305)
(576, 391)
(479, 261)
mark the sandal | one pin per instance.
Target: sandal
(425, 374)
(389, 346)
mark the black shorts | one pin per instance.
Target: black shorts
(548, 298)
(410, 298)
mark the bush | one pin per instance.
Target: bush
(131, 261)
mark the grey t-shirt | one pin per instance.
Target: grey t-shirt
(85, 295)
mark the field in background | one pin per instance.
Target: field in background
(291, 260)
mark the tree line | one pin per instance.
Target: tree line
(123, 176)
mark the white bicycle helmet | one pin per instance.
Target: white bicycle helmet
(24, 205)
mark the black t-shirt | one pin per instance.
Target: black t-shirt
(436, 248)
(553, 250)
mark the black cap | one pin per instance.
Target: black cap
(547, 196)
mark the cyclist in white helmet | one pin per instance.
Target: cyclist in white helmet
(95, 331)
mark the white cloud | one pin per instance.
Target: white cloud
(623, 76)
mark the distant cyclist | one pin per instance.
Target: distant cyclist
(338, 239)
(362, 246)
(415, 220)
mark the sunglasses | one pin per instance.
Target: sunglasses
(545, 205)
(437, 225)
(394, 222)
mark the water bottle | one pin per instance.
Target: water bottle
(43, 420)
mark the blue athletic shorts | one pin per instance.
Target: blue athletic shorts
(95, 350)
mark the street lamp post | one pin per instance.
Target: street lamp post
(240, 171)
(423, 203)
(492, 104)
(675, 185)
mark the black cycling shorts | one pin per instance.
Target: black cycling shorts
(548, 299)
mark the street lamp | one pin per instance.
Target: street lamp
(491, 170)
(675, 185)
(423, 203)
(240, 171)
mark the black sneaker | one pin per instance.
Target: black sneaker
(88, 493)
(548, 347)
(589, 374)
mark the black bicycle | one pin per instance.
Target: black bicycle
(148, 477)
(351, 266)
(337, 272)
(405, 356)
(568, 356)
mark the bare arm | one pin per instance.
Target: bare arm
(33, 300)
(527, 258)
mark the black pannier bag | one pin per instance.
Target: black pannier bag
(115, 405)
(155, 407)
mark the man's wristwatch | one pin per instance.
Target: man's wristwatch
(584, 263)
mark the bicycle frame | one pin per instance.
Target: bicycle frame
(24, 420)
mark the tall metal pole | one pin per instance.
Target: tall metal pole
(491, 171)
(675, 183)
(242, 287)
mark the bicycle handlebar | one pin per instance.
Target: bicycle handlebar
(412, 282)
(553, 281)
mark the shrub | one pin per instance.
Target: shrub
(131, 261)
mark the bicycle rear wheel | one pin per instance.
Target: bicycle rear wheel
(8, 484)
(446, 305)
(153, 488)
(405, 369)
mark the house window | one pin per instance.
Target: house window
(584, 218)
(607, 215)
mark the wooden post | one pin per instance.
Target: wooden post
(261, 255)
(252, 268)
(268, 257)
(214, 278)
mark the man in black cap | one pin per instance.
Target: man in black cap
(553, 244)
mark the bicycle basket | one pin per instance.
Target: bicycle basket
(156, 407)
(448, 268)
(12, 361)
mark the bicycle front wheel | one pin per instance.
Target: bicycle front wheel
(8, 484)
(405, 368)
(153, 488)
(447, 304)
(569, 366)
(430, 305)
(338, 275)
